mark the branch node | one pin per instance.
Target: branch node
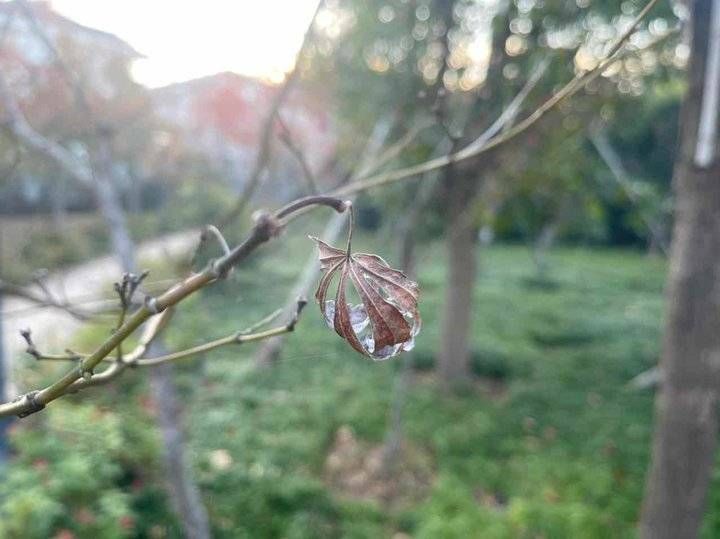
(151, 304)
(30, 349)
(267, 225)
(85, 374)
(215, 271)
(73, 355)
(301, 303)
(33, 404)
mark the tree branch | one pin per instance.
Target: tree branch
(239, 337)
(297, 152)
(43, 300)
(267, 226)
(474, 149)
(18, 125)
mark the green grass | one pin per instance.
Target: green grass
(561, 451)
(564, 448)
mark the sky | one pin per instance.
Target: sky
(185, 39)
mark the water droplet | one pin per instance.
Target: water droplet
(329, 313)
(358, 317)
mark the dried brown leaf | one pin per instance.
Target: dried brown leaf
(386, 320)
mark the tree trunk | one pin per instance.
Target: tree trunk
(685, 435)
(184, 494)
(461, 234)
(545, 240)
(462, 183)
(183, 490)
(542, 244)
(108, 202)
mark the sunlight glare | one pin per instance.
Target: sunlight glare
(185, 40)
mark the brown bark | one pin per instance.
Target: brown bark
(685, 435)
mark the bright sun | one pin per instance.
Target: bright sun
(184, 40)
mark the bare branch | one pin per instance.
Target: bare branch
(33, 351)
(70, 76)
(600, 140)
(297, 152)
(18, 125)
(267, 226)
(473, 149)
(392, 151)
(43, 300)
(151, 331)
(213, 231)
(236, 338)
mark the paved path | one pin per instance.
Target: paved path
(51, 328)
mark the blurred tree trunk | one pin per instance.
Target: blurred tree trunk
(686, 426)
(462, 184)
(542, 244)
(547, 237)
(135, 193)
(109, 205)
(97, 173)
(184, 493)
(461, 252)
(183, 490)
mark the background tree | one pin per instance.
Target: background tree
(426, 49)
(685, 436)
(93, 163)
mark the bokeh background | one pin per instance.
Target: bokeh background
(525, 408)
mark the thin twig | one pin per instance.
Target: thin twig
(267, 226)
(239, 337)
(42, 300)
(33, 351)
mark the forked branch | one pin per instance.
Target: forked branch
(267, 226)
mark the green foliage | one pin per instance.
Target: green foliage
(89, 471)
(557, 448)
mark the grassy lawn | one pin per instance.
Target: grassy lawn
(547, 442)
(558, 451)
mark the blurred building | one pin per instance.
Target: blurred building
(45, 58)
(222, 116)
(99, 62)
